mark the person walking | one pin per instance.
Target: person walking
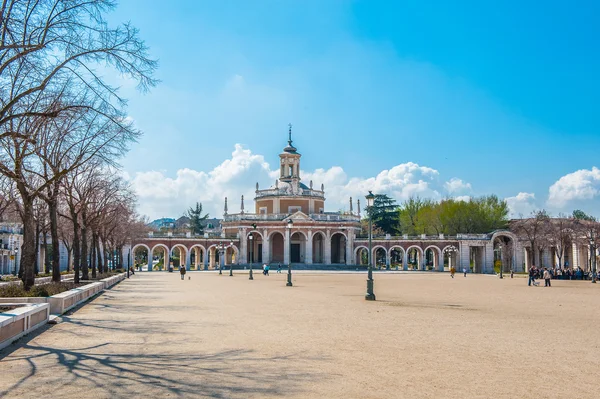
(452, 271)
(512, 273)
(531, 276)
(279, 268)
(547, 277)
(182, 271)
(465, 272)
(264, 269)
(267, 269)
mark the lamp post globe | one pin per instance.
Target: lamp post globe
(370, 296)
(290, 223)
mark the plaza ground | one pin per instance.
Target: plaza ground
(427, 336)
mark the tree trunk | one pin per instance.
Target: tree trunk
(45, 244)
(85, 272)
(69, 259)
(53, 212)
(99, 255)
(37, 247)
(93, 254)
(76, 247)
(28, 247)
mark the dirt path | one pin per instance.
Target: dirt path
(427, 336)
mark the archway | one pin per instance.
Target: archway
(298, 247)
(231, 255)
(254, 243)
(179, 256)
(141, 257)
(276, 248)
(450, 257)
(197, 257)
(433, 259)
(505, 252)
(160, 257)
(397, 257)
(338, 248)
(362, 256)
(379, 257)
(415, 257)
(318, 247)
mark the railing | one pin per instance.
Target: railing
(321, 217)
(178, 236)
(283, 191)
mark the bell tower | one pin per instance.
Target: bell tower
(289, 160)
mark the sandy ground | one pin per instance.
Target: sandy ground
(427, 336)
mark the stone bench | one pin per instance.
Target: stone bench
(22, 320)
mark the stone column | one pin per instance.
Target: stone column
(205, 258)
(188, 259)
(243, 256)
(404, 259)
(349, 249)
(440, 256)
(211, 255)
(286, 247)
(387, 258)
(266, 247)
(465, 251)
(575, 261)
(327, 249)
(489, 258)
(308, 256)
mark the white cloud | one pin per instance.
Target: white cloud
(583, 184)
(521, 204)
(457, 186)
(161, 196)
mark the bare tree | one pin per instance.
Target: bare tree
(559, 235)
(49, 53)
(532, 230)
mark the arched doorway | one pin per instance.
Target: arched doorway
(160, 257)
(141, 257)
(397, 257)
(379, 257)
(179, 256)
(254, 244)
(297, 248)
(433, 259)
(415, 258)
(338, 248)
(362, 256)
(318, 247)
(450, 257)
(276, 248)
(505, 254)
(197, 255)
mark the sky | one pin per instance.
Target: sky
(434, 99)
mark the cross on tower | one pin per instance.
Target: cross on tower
(290, 134)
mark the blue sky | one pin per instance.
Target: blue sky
(450, 98)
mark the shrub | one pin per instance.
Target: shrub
(42, 290)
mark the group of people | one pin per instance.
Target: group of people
(266, 269)
(557, 274)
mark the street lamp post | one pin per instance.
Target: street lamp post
(289, 275)
(501, 263)
(250, 237)
(593, 252)
(370, 296)
(15, 251)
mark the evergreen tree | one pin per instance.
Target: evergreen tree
(384, 213)
(196, 219)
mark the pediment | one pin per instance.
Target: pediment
(299, 215)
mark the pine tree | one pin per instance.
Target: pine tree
(196, 219)
(384, 213)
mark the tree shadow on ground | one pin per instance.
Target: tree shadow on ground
(108, 373)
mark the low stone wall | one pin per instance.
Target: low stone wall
(20, 321)
(60, 303)
(110, 281)
(64, 301)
